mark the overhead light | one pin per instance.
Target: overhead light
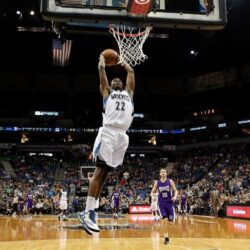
(193, 52)
(138, 115)
(18, 12)
(197, 128)
(32, 12)
(222, 125)
(152, 140)
(243, 121)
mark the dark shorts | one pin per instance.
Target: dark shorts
(167, 210)
(29, 204)
(116, 204)
(183, 207)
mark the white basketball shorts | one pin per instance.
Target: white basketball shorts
(63, 205)
(154, 206)
(110, 146)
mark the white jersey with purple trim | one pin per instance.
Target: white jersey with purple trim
(63, 204)
(63, 196)
(118, 110)
(154, 202)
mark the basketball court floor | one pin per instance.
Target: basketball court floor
(137, 232)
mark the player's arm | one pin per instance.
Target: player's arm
(175, 189)
(219, 198)
(130, 82)
(154, 189)
(60, 194)
(104, 84)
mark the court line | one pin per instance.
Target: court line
(205, 221)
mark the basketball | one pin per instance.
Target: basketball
(111, 57)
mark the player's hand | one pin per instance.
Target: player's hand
(118, 58)
(101, 61)
(173, 199)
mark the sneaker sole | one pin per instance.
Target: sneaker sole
(166, 242)
(91, 229)
(86, 230)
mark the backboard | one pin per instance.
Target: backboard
(185, 14)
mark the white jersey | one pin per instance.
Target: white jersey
(63, 204)
(154, 202)
(118, 110)
(63, 196)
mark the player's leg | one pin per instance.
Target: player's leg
(164, 215)
(102, 176)
(59, 216)
(95, 187)
(154, 214)
(116, 210)
(171, 216)
(158, 214)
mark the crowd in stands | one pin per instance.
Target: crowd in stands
(196, 173)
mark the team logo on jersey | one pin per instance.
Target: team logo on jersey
(120, 97)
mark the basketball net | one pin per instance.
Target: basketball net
(130, 41)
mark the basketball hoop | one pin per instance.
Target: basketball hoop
(130, 41)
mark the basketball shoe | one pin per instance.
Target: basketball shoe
(88, 221)
(166, 240)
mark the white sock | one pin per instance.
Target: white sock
(97, 203)
(90, 204)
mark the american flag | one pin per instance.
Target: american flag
(61, 52)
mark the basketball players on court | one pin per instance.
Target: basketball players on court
(165, 187)
(112, 141)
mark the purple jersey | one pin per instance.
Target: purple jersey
(165, 191)
(21, 203)
(116, 198)
(183, 199)
(165, 200)
(29, 200)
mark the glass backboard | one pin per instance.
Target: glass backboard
(187, 14)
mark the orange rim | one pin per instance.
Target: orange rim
(129, 35)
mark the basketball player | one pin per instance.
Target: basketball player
(21, 205)
(63, 204)
(215, 201)
(115, 202)
(112, 141)
(183, 203)
(155, 207)
(165, 188)
(29, 203)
